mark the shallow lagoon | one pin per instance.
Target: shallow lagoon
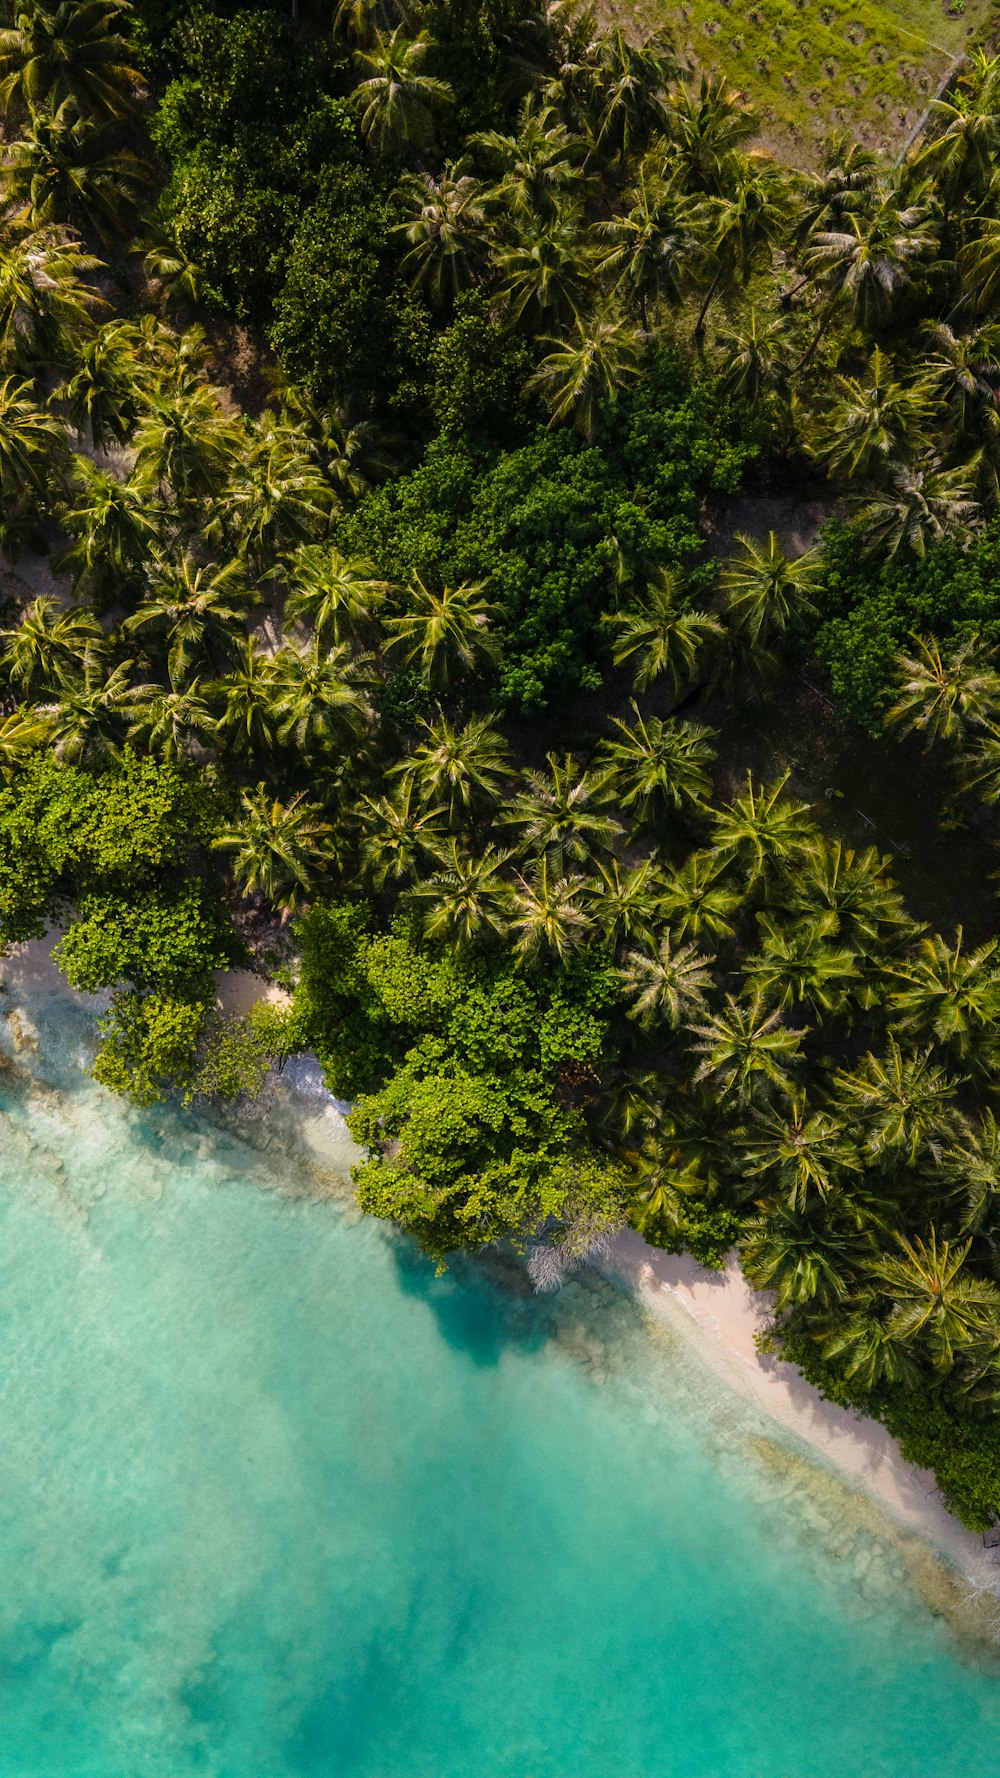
(277, 1503)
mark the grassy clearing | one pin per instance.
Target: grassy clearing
(815, 66)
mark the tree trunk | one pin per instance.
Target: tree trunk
(817, 336)
(699, 326)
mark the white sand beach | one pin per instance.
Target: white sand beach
(723, 1314)
(717, 1310)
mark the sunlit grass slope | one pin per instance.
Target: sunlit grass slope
(816, 66)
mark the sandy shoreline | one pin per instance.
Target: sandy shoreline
(717, 1310)
(722, 1313)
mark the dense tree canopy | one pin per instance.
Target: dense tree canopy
(376, 381)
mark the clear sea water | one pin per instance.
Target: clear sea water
(276, 1502)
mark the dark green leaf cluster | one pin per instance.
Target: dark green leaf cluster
(868, 609)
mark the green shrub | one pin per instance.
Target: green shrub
(166, 939)
(867, 611)
(149, 1045)
(548, 522)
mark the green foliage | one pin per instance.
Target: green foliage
(473, 1141)
(868, 611)
(363, 999)
(235, 1054)
(331, 325)
(169, 940)
(465, 1159)
(149, 1045)
(477, 369)
(253, 130)
(335, 1006)
(66, 832)
(549, 522)
(708, 1234)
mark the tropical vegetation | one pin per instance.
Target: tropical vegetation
(374, 381)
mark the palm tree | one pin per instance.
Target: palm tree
(800, 965)
(629, 91)
(89, 716)
(538, 167)
(399, 833)
(350, 451)
(951, 995)
(167, 263)
(277, 498)
(186, 443)
(979, 764)
(696, 899)
(31, 441)
(556, 814)
(458, 767)
(872, 420)
(741, 228)
(546, 268)
(75, 52)
(795, 1152)
(666, 982)
(113, 524)
(963, 370)
(445, 226)
(44, 652)
(588, 369)
(467, 899)
(336, 595)
(765, 590)
(107, 387)
(314, 700)
(66, 170)
(919, 504)
(869, 258)
(860, 1342)
(901, 1101)
(249, 715)
(709, 124)
(978, 260)
(856, 888)
(546, 918)
(652, 249)
(44, 303)
(848, 174)
(197, 612)
(166, 720)
(973, 1164)
(756, 356)
(800, 1255)
(280, 849)
(657, 763)
(661, 636)
(396, 100)
(938, 1305)
(445, 631)
(359, 18)
(962, 138)
(747, 1051)
(945, 696)
(621, 900)
(669, 1176)
(22, 733)
(762, 831)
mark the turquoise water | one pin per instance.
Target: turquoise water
(277, 1503)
